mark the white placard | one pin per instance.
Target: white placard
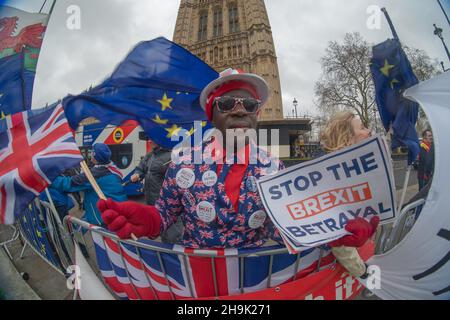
(312, 202)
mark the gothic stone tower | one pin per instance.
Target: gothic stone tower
(236, 34)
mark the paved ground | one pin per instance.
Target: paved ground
(49, 284)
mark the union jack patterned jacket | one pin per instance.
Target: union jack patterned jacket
(206, 211)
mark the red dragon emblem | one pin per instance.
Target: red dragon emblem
(31, 35)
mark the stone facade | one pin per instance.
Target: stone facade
(232, 33)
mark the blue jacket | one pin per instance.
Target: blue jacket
(109, 182)
(59, 198)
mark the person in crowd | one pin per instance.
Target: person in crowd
(343, 130)
(425, 166)
(62, 201)
(108, 177)
(153, 169)
(218, 201)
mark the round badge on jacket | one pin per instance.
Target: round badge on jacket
(209, 178)
(185, 178)
(189, 198)
(257, 219)
(251, 185)
(206, 211)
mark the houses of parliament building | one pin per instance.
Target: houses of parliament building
(237, 34)
(232, 34)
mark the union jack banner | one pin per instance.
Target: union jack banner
(35, 147)
(172, 273)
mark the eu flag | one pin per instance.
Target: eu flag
(392, 74)
(158, 84)
(16, 85)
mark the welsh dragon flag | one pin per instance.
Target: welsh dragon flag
(21, 30)
(21, 35)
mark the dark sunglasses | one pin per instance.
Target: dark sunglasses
(227, 104)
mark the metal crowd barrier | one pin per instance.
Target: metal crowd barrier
(62, 236)
(14, 237)
(391, 234)
(79, 229)
(51, 243)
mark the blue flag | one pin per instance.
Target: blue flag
(392, 74)
(445, 5)
(16, 85)
(158, 84)
(33, 224)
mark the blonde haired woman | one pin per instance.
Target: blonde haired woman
(342, 131)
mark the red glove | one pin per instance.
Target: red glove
(126, 218)
(361, 232)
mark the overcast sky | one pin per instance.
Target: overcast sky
(72, 60)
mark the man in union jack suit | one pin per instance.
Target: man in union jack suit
(218, 202)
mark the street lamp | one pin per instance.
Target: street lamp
(438, 32)
(295, 103)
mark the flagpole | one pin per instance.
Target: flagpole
(391, 25)
(409, 167)
(51, 8)
(405, 187)
(45, 1)
(445, 13)
(22, 78)
(91, 179)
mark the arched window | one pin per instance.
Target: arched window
(203, 26)
(217, 22)
(233, 18)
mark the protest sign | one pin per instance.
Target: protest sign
(311, 203)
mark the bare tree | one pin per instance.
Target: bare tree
(346, 82)
(424, 68)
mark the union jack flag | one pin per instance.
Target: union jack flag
(35, 147)
(172, 272)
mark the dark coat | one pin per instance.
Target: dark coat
(153, 168)
(425, 167)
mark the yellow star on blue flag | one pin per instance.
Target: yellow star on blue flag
(392, 74)
(158, 120)
(158, 85)
(165, 102)
(174, 130)
(393, 81)
(386, 68)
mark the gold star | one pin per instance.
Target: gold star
(172, 131)
(392, 83)
(39, 234)
(158, 120)
(2, 116)
(387, 67)
(191, 132)
(165, 102)
(203, 123)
